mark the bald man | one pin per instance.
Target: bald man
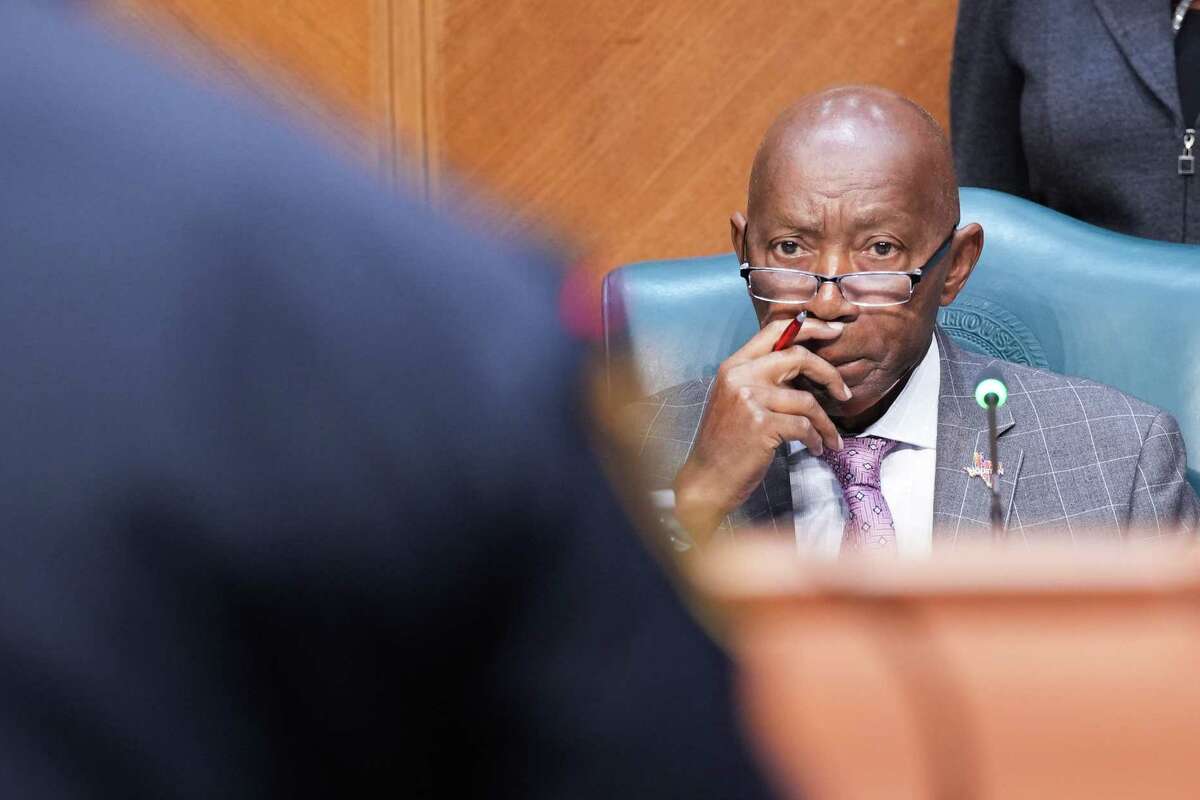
(862, 435)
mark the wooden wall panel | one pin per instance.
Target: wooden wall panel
(320, 59)
(414, 108)
(632, 124)
(627, 125)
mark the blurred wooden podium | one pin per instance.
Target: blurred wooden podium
(1028, 673)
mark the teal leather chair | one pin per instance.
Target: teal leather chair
(1049, 291)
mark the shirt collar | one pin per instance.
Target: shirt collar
(912, 417)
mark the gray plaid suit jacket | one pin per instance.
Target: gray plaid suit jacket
(1081, 460)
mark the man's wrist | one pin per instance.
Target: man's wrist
(697, 510)
(663, 502)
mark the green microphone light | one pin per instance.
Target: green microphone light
(991, 381)
(991, 393)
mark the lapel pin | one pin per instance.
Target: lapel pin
(982, 468)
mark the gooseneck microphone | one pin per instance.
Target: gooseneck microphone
(991, 392)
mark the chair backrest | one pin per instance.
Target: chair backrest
(1049, 290)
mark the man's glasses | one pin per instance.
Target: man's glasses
(870, 289)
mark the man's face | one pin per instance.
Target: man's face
(838, 211)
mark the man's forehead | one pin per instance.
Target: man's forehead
(857, 156)
(834, 167)
(863, 187)
(811, 208)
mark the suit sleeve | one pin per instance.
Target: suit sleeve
(1163, 501)
(985, 101)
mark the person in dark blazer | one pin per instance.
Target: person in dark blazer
(296, 497)
(1084, 106)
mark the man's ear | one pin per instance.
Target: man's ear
(968, 244)
(737, 232)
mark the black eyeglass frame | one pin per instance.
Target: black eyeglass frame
(914, 276)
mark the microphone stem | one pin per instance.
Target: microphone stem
(997, 520)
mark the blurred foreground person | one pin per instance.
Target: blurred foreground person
(853, 218)
(296, 497)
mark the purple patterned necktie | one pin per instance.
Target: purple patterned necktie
(856, 465)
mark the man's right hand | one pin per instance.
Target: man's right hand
(753, 408)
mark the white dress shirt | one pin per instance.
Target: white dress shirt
(906, 474)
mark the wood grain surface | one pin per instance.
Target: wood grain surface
(625, 126)
(316, 59)
(632, 124)
(414, 107)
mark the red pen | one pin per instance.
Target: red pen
(790, 332)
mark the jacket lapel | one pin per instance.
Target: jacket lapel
(1143, 32)
(962, 501)
(771, 503)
